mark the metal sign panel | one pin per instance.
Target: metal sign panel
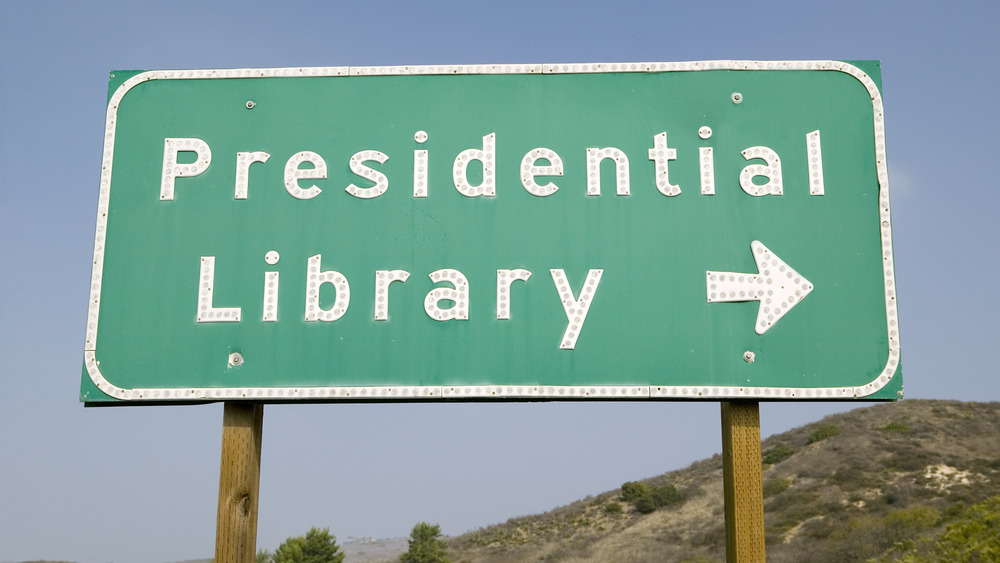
(700, 230)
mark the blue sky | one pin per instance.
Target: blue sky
(140, 484)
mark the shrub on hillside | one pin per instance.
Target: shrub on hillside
(823, 432)
(633, 490)
(612, 507)
(780, 453)
(774, 486)
(974, 535)
(902, 532)
(665, 495)
(895, 428)
(645, 504)
(645, 499)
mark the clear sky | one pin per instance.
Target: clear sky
(140, 484)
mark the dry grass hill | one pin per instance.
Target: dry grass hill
(888, 482)
(914, 481)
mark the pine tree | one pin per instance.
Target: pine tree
(317, 546)
(426, 545)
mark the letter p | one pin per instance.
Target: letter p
(171, 168)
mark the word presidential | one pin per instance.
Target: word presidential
(756, 179)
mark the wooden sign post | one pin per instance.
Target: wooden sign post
(239, 483)
(742, 482)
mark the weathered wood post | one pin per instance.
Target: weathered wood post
(239, 483)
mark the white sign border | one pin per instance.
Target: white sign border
(471, 392)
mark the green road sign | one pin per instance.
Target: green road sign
(698, 230)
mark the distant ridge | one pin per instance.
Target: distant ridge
(873, 483)
(374, 550)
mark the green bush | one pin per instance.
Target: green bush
(896, 428)
(780, 453)
(646, 503)
(612, 507)
(917, 519)
(974, 535)
(775, 486)
(633, 490)
(665, 495)
(823, 432)
(645, 499)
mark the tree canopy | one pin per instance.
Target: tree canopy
(317, 546)
(426, 545)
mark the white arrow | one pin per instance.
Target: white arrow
(776, 285)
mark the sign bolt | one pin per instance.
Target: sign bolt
(235, 359)
(737, 98)
(251, 104)
(749, 357)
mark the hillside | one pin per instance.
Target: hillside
(876, 482)
(884, 483)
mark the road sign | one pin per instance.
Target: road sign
(706, 230)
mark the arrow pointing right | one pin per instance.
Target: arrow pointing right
(776, 285)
